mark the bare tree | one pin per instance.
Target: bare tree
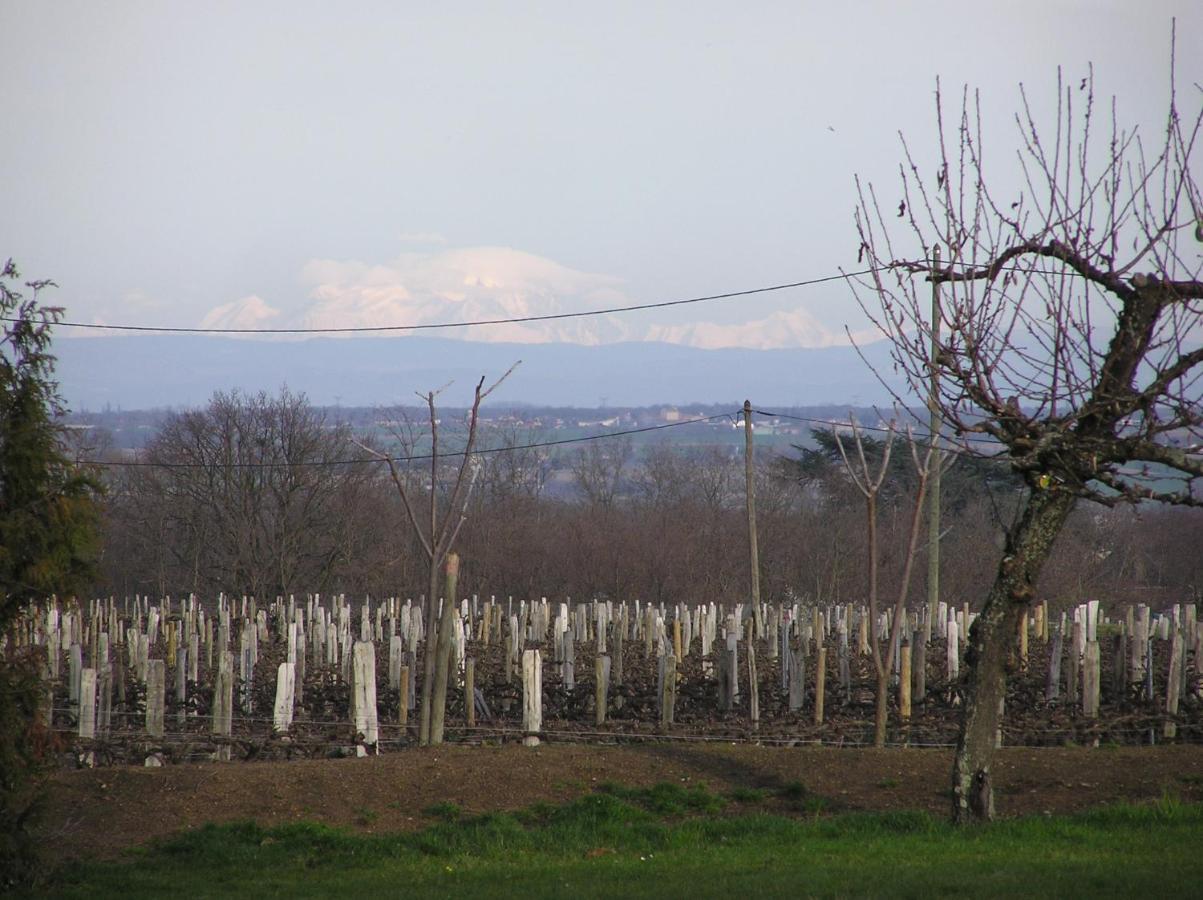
(245, 495)
(1068, 339)
(598, 470)
(437, 536)
(869, 484)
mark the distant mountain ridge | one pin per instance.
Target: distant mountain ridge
(142, 372)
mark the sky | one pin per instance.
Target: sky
(316, 164)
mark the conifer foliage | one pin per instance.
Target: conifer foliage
(48, 544)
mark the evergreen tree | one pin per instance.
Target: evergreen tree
(48, 542)
(48, 510)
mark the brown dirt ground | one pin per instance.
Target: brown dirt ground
(100, 812)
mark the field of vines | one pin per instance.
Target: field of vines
(155, 682)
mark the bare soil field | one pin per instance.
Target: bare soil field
(97, 813)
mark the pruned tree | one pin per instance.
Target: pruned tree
(444, 516)
(869, 477)
(1068, 338)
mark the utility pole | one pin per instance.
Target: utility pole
(750, 482)
(934, 422)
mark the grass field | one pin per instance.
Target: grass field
(670, 841)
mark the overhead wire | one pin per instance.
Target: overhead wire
(734, 416)
(842, 276)
(416, 457)
(545, 317)
(510, 320)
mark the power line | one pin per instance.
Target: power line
(547, 317)
(325, 463)
(362, 329)
(734, 416)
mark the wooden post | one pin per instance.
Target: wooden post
(904, 682)
(75, 666)
(181, 684)
(403, 698)
(750, 488)
(532, 697)
(394, 660)
(1023, 641)
(753, 688)
(119, 678)
(797, 678)
(1091, 672)
(616, 657)
(601, 675)
(732, 669)
(156, 686)
(820, 682)
(919, 668)
(470, 691)
(844, 662)
(1173, 686)
(1052, 686)
(513, 640)
(87, 704)
(105, 704)
(1075, 663)
(569, 660)
(668, 695)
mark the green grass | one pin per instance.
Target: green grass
(673, 841)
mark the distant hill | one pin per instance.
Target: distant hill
(140, 372)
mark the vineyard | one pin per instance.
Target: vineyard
(167, 682)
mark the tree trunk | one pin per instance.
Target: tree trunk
(883, 709)
(442, 657)
(432, 630)
(991, 641)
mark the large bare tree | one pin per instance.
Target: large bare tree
(1069, 334)
(249, 494)
(437, 527)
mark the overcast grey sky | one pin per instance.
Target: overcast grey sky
(378, 163)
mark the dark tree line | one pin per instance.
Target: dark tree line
(659, 522)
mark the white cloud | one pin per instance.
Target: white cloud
(783, 329)
(249, 312)
(492, 283)
(471, 284)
